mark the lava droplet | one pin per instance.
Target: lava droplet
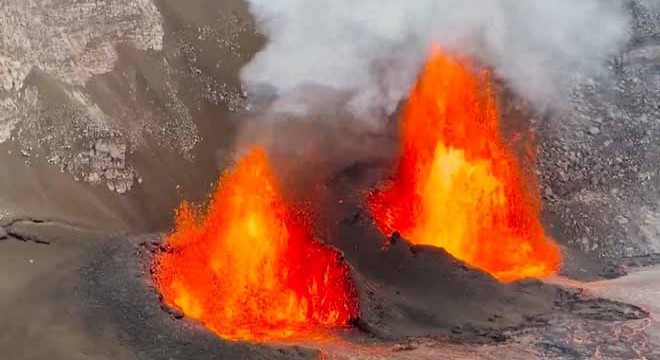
(247, 267)
(457, 185)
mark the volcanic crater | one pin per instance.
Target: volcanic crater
(348, 245)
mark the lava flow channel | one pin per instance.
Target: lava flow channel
(248, 269)
(457, 185)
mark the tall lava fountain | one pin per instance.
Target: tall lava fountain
(457, 185)
(248, 268)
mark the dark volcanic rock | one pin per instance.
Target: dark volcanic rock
(576, 303)
(411, 290)
(551, 350)
(427, 300)
(115, 287)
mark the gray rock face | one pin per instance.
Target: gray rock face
(599, 160)
(74, 72)
(100, 97)
(48, 54)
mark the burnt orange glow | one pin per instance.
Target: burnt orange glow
(248, 269)
(457, 186)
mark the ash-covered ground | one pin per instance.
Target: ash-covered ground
(112, 111)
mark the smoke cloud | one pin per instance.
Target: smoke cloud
(369, 52)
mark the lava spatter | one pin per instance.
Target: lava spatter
(457, 185)
(248, 268)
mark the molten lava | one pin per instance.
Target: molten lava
(248, 268)
(457, 186)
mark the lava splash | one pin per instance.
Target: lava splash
(457, 185)
(247, 267)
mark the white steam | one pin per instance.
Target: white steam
(370, 51)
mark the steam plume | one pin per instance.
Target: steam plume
(370, 51)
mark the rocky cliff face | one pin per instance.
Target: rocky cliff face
(599, 159)
(48, 55)
(99, 94)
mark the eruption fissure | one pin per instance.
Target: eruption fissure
(248, 268)
(457, 186)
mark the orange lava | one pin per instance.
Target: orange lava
(457, 185)
(248, 269)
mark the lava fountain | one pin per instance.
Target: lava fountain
(248, 268)
(457, 185)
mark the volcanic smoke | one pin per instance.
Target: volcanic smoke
(457, 186)
(248, 268)
(372, 50)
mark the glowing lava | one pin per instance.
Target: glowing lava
(248, 269)
(457, 185)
